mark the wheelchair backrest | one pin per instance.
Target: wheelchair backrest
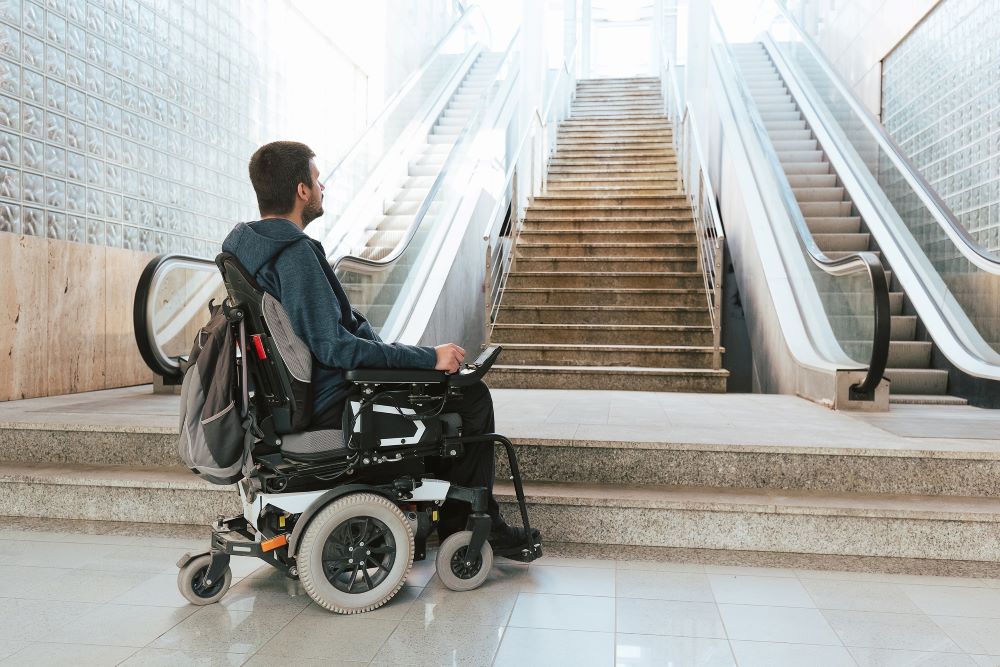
(278, 361)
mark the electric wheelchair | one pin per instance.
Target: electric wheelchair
(346, 511)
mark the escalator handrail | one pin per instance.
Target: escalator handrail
(142, 322)
(851, 263)
(943, 215)
(364, 263)
(398, 96)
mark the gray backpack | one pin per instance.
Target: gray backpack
(213, 433)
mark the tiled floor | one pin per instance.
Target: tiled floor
(105, 594)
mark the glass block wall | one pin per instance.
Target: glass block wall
(941, 102)
(130, 122)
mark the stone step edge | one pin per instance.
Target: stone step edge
(609, 348)
(603, 290)
(758, 501)
(632, 370)
(87, 428)
(651, 309)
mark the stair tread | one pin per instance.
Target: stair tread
(608, 348)
(770, 501)
(632, 370)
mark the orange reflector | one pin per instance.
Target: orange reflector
(274, 543)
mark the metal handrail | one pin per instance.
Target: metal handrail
(942, 214)
(851, 263)
(146, 334)
(499, 282)
(711, 234)
(366, 264)
(398, 96)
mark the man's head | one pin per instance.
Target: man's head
(287, 181)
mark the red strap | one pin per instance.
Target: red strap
(259, 345)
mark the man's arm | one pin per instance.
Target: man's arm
(315, 314)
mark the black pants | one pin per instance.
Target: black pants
(476, 467)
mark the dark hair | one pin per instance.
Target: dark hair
(276, 170)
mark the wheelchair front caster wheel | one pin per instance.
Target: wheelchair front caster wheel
(457, 569)
(191, 582)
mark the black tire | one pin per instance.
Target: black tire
(191, 586)
(456, 570)
(333, 551)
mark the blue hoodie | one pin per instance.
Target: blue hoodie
(292, 267)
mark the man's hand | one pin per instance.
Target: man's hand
(450, 356)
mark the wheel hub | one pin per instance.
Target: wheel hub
(359, 554)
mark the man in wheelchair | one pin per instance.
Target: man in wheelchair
(363, 392)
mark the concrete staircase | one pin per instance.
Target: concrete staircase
(837, 228)
(646, 477)
(605, 291)
(375, 294)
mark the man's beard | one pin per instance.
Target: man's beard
(311, 212)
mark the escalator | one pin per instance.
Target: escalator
(409, 239)
(846, 189)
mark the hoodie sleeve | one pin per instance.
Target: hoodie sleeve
(315, 314)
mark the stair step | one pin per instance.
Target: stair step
(608, 212)
(834, 225)
(603, 297)
(825, 209)
(764, 520)
(917, 380)
(689, 315)
(817, 194)
(842, 242)
(682, 237)
(926, 399)
(789, 124)
(593, 276)
(800, 156)
(608, 199)
(593, 191)
(730, 467)
(795, 168)
(569, 264)
(588, 226)
(684, 251)
(598, 334)
(608, 378)
(549, 354)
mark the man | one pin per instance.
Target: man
(293, 268)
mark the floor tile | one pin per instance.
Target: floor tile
(774, 591)
(422, 571)
(752, 571)
(123, 625)
(668, 617)
(67, 585)
(37, 620)
(566, 561)
(973, 635)
(659, 566)
(10, 647)
(350, 638)
(215, 628)
(879, 630)
(160, 657)
(534, 646)
(654, 585)
(132, 558)
(413, 643)
(478, 607)
(259, 660)
(955, 600)
(79, 655)
(884, 657)
(987, 660)
(770, 654)
(777, 624)
(504, 575)
(859, 596)
(267, 594)
(657, 651)
(49, 554)
(569, 581)
(564, 612)
(156, 590)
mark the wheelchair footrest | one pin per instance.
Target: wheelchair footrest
(524, 553)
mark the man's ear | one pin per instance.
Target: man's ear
(302, 191)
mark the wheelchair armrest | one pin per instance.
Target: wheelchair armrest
(394, 376)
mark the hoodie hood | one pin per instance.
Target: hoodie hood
(256, 243)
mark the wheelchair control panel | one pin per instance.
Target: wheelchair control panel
(472, 373)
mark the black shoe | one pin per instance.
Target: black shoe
(503, 536)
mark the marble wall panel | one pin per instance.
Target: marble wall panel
(74, 337)
(23, 316)
(124, 366)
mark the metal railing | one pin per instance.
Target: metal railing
(701, 196)
(533, 149)
(853, 323)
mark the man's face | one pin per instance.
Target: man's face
(314, 207)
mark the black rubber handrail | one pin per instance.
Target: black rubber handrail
(856, 261)
(145, 337)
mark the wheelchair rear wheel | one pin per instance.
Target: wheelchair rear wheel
(355, 553)
(457, 569)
